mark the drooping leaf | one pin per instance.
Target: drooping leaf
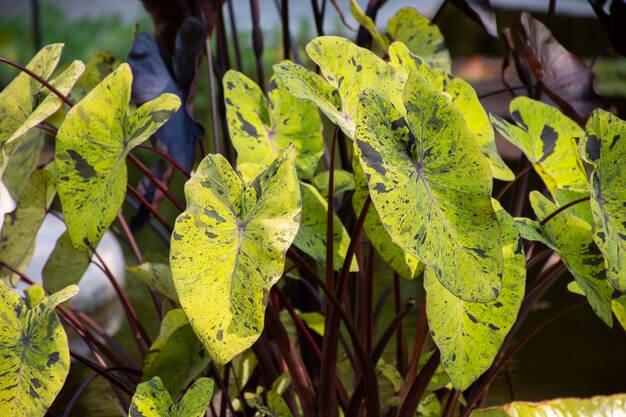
(348, 70)
(421, 36)
(97, 68)
(65, 266)
(152, 400)
(573, 240)
(311, 237)
(368, 24)
(177, 355)
(405, 264)
(342, 181)
(481, 12)
(463, 97)
(228, 249)
(605, 146)
(431, 186)
(157, 276)
(23, 162)
(91, 148)
(600, 406)
(564, 77)
(35, 354)
(469, 335)
(260, 129)
(17, 241)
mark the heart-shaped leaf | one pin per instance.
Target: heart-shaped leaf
(348, 70)
(469, 335)
(177, 355)
(431, 186)
(152, 400)
(20, 228)
(464, 98)
(157, 276)
(260, 129)
(228, 249)
(35, 354)
(91, 149)
(605, 147)
(573, 240)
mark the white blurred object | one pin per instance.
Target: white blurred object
(96, 297)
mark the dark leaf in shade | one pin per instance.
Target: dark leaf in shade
(614, 22)
(481, 12)
(563, 76)
(514, 60)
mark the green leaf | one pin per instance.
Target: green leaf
(152, 400)
(431, 187)
(229, 247)
(277, 405)
(405, 264)
(605, 147)
(97, 68)
(545, 135)
(531, 230)
(33, 295)
(157, 276)
(34, 351)
(177, 355)
(421, 36)
(469, 335)
(618, 306)
(311, 237)
(573, 241)
(391, 373)
(368, 24)
(91, 149)
(600, 406)
(348, 70)
(260, 129)
(17, 243)
(429, 406)
(313, 320)
(65, 266)
(464, 98)
(23, 162)
(343, 181)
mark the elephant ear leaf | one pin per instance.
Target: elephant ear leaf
(604, 146)
(469, 335)
(260, 132)
(368, 24)
(152, 400)
(35, 354)
(348, 70)
(431, 186)
(421, 36)
(464, 98)
(91, 148)
(229, 247)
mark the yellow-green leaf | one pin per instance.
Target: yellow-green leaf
(91, 149)
(311, 237)
(600, 406)
(573, 240)
(368, 24)
(342, 181)
(531, 230)
(34, 351)
(228, 249)
(618, 306)
(157, 276)
(464, 98)
(177, 355)
(469, 335)
(348, 70)
(23, 162)
(605, 146)
(97, 68)
(152, 400)
(421, 36)
(260, 129)
(431, 187)
(65, 266)
(17, 242)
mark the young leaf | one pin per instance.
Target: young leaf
(469, 335)
(311, 237)
(545, 135)
(92, 145)
(572, 238)
(431, 186)
(34, 351)
(17, 243)
(348, 70)
(605, 147)
(260, 130)
(177, 355)
(158, 276)
(228, 249)
(464, 98)
(152, 400)
(421, 36)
